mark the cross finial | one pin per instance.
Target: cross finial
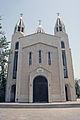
(39, 22)
(21, 14)
(58, 14)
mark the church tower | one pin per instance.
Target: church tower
(60, 31)
(59, 26)
(13, 60)
(40, 66)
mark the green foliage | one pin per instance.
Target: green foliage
(77, 87)
(4, 52)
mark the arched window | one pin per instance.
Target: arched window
(16, 45)
(30, 58)
(15, 64)
(64, 64)
(57, 29)
(64, 58)
(15, 60)
(49, 58)
(22, 29)
(13, 93)
(39, 56)
(62, 44)
(60, 28)
(67, 92)
(18, 28)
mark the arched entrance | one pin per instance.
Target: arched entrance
(40, 89)
(13, 92)
(67, 92)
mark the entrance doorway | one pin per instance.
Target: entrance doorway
(40, 89)
(67, 92)
(13, 92)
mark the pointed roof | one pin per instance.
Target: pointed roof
(40, 28)
(20, 25)
(59, 26)
(20, 22)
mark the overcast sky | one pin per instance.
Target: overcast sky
(45, 10)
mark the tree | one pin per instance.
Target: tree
(77, 87)
(4, 52)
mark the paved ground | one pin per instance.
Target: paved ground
(40, 114)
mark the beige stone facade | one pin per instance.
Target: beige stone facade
(44, 71)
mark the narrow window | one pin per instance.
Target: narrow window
(57, 29)
(65, 72)
(64, 58)
(49, 58)
(64, 64)
(62, 44)
(39, 56)
(16, 45)
(60, 28)
(30, 58)
(22, 29)
(59, 22)
(13, 93)
(18, 28)
(15, 65)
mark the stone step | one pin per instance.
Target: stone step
(40, 105)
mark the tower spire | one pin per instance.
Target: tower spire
(20, 25)
(59, 26)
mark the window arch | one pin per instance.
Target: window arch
(62, 44)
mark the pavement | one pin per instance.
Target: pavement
(40, 114)
(8, 113)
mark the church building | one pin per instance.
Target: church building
(40, 66)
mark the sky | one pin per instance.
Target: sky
(45, 10)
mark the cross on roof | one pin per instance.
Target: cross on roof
(21, 14)
(58, 14)
(39, 22)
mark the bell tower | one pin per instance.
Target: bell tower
(20, 25)
(59, 26)
(67, 67)
(14, 58)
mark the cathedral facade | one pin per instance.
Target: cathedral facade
(40, 66)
